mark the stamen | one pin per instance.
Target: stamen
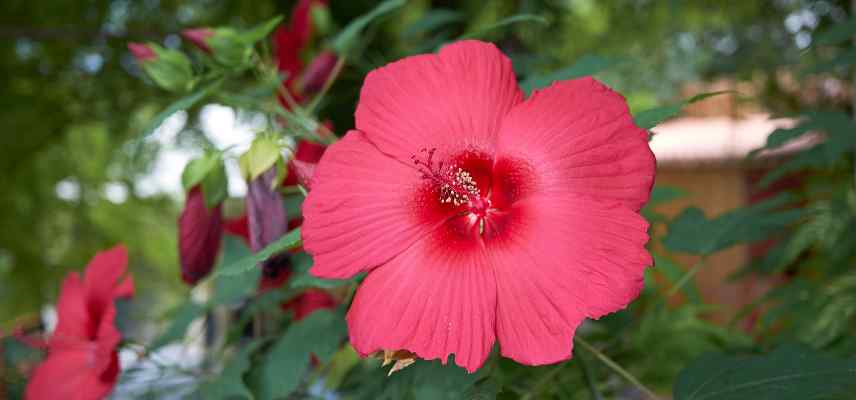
(457, 186)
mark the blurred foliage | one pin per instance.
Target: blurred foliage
(81, 147)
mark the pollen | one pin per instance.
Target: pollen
(456, 185)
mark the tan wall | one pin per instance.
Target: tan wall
(716, 190)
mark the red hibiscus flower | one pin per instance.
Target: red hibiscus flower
(479, 215)
(199, 236)
(82, 362)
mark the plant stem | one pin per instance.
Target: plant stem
(617, 368)
(686, 278)
(334, 74)
(541, 382)
(589, 378)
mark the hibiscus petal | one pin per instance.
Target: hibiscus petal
(67, 375)
(362, 210)
(562, 259)
(429, 300)
(437, 100)
(580, 139)
(102, 277)
(74, 323)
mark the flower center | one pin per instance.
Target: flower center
(457, 186)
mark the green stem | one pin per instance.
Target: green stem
(617, 368)
(686, 278)
(545, 379)
(334, 74)
(589, 378)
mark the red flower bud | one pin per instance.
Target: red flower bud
(143, 53)
(199, 37)
(199, 237)
(318, 71)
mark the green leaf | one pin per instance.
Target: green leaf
(674, 273)
(196, 170)
(210, 172)
(215, 186)
(838, 141)
(344, 41)
(263, 154)
(791, 372)
(433, 19)
(261, 30)
(321, 334)
(505, 22)
(231, 289)
(430, 380)
(650, 118)
(692, 232)
(844, 59)
(230, 383)
(181, 319)
(838, 33)
(178, 105)
(170, 69)
(301, 263)
(246, 264)
(587, 65)
(665, 194)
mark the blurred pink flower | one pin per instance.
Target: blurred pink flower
(199, 37)
(82, 362)
(142, 52)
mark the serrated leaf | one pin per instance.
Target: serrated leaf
(181, 319)
(246, 264)
(343, 42)
(791, 372)
(587, 65)
(648, 119)
(230, 383)
(505, 22)
(692, 232)
(320, 334)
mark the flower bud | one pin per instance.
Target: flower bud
(199, 236)
(318, 72)
(169, 69)
(199, 37)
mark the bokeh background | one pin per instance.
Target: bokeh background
(76, 177)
